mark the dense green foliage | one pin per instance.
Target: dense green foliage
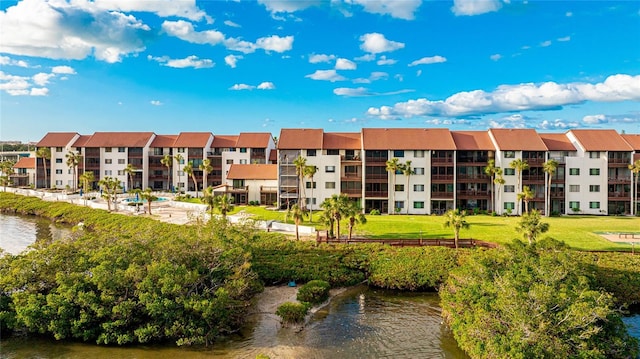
(531, 301)
(616, 273)
(292, 313)
(314, 292)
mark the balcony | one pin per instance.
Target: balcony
(557, 194)
(377, 176)
(351, 177)
(448, 178)
(473, 177)
(619, 195)
(620, 179)
(440, 195)
(473, 193)
(533, 178)
(441, 160)
(353, 192)
(268, 189)
(375, 160)
(351, 158)
(618, 161)
(534, 162)
(382, 194)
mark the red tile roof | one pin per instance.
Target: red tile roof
(56, 139)
(472, 141)
(193, 139)
(81, 141)
(632, 140)
(273, 156)
(518, 139)
(119, 139)
(341, 141)
(253, 172)
(253, 140)
(601, 140)
(224, 141)
(557, 142)
(300, 138)
(164, 141)
(26, 162)
(407, 139)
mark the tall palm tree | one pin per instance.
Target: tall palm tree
(86, 179)
(297, 215)
(110, 187)
(167, 161)
(530, 226)
(310, 171)
(526, 195)
(179, 159)
(188, 169)
(407, 171)
(353, 212)
(147, 195)
(208, 197)
(6, 167)
(500, 181)
(550, 167)
(223, 204)
(490, 170)
(130, 170)
(336, 206)
(519, 165)
(206, 168)
(635, 172)
(45, 154)
(300, 163)
(73, 159)
(456, 220)
(393, 165)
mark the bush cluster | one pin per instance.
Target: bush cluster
(292, 313)
(314, 292)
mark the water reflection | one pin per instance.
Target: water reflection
(18, 232)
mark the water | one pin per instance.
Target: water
(18, 232)
(138, 200)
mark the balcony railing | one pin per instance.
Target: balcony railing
(352, 191)
(557, 194)
(377, 176)
(375, 159)
(376, 194)
(442, 160)
(534, 162)
(619, 194)
(533, 178)
(354, 158)
(441, 195)
(619, 160)
(268, 189)
(473, 193)
(620, 179)
(442, 177)
(472, 177)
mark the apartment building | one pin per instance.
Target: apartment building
(58, 174)
(24, 172)
(247, 183)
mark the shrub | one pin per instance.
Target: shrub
(314, 292)
(292, 313)
(374, 212)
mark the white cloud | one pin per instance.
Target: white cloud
(594, 119)
(404, 9)
(275, 43)
(286, 6)
(14, 85)
(361, 92)
(495, 57)
(267, 86)
(545, 43)
(512, 121)
(231, 23)
(522, 97)
(557, 124)
(43, 91)
(166, 8)
(76, 30)
(418, 73)
(240, 87)
(475, 7)
(375, 76)
(564, 39)
(42, 79)
(155, 102)
(326, 75)
(63, 70)
(232, 60)
(384, 61)
(569, 14)
(7, 61)
(376, 43)
(318, 58)
(189, 61)
(344, 64)
(366, 58)
(429, 60)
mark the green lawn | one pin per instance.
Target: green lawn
(577, 231)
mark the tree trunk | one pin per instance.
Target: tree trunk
(455, 238)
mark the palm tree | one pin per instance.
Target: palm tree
(178, 157)
(519, 165)
(336, 206)
(147, 195)
(550, 168)
(208, 198)
(407, 171)
(188, 169)
(223, 204)
(635, 172)
(531, 226)
(353, 212)
(45, 154)
(456, 220)
(300, 163)
(86, 179)
(310, 171)
(297, 214)
(490, 170)
(130, 170)
(205, 167)
(110, 188)
(393, 166)
(167, 160)
(500, 181)
(6, 167)
(73, 159)
(526, 195)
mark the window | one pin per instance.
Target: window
(399, 188)
(418, 188)
(574, 205)
(399, 205)
(418, 171)
(330, 185)
(180, 173)
(310, 200)
(311, 153)
(180, 184)
(330, 169)
(594, 188)
(333, 152)
(120, 149)
(157, 151)
(58, 160)
(418, 204)
(180, 149)
(108, 172)
(69, 172)
(58, 149)
(120, 172)
(594, 154)
(509, 154)
(229, 162)
(58, 182)
(594, 171)
(509, 172)
(574, 188)
(418, 154)
(509, 205)
(58, 172)
(574, 171)
(594, 205)
(243, 150)
(311, 184)
(398, 153)
(510, 188)
(120, 161)
(243, 162)
(107, 149)
(108, 161)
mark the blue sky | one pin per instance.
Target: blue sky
(232, 66)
